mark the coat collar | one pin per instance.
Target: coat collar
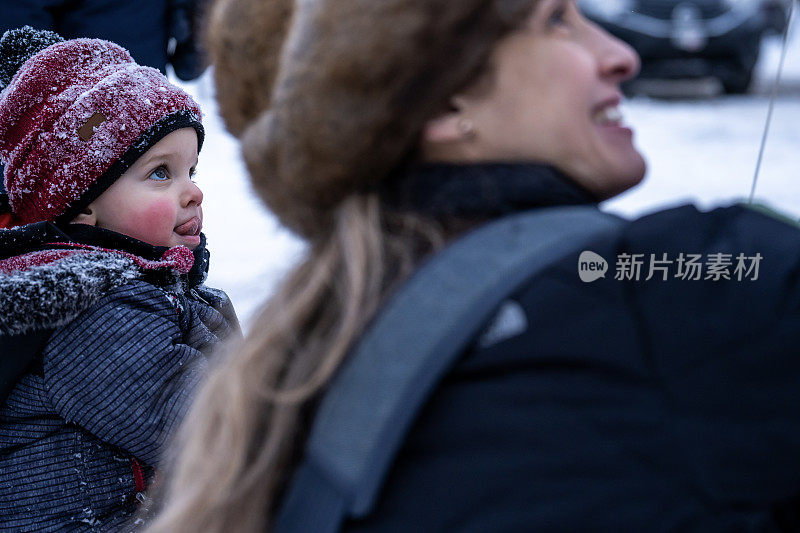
(487, 189)
(53, 273)
(42, 236)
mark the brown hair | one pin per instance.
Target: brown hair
(244, 433)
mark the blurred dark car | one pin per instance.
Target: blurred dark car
(679, 39)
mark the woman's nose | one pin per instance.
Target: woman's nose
(617, 59)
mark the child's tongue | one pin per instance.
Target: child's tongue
(188, 228)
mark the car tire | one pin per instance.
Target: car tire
(738, 80)
(738, 83)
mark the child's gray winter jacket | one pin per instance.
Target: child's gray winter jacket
(121, 336)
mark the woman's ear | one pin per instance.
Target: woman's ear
(87, 217)
(450, 127)
(443, 129)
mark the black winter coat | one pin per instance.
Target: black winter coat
(615, 405)
(117, 333)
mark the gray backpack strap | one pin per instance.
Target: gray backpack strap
(363, 418)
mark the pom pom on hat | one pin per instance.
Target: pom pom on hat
(19, 45)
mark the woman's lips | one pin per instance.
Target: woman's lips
(191, 227)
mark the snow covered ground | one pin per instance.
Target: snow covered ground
(699, 150)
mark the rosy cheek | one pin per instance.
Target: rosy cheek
(154, 222)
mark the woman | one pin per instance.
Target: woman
(391, 128)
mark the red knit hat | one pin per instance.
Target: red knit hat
(74, 116)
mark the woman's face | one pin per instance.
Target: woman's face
(552, 96)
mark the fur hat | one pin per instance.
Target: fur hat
(245, 56)
(354, 83)
(74, 116)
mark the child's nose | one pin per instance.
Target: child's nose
(192, 195)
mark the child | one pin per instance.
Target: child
(106, 325)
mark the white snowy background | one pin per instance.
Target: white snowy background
(702, 150)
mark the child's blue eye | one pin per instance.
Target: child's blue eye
(159, 174)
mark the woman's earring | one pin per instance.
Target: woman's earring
(467, 128)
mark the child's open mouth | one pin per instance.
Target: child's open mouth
(191, 227)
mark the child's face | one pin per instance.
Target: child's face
(155, 200)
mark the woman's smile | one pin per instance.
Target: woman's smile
(552, 95)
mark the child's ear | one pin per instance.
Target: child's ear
(86, 217)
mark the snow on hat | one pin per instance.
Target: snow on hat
(340, 101)
(74, 116)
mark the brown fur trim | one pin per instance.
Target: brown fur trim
(244, 39)
(356, 82)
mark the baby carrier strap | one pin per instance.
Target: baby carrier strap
(364, 416)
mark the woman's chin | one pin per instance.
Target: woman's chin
(619, 177)
(628, 171)
(637, 169)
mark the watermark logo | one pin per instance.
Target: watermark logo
(684, 266)
(591, 266)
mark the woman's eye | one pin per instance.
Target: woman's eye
(558, 16)
(159, 174)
